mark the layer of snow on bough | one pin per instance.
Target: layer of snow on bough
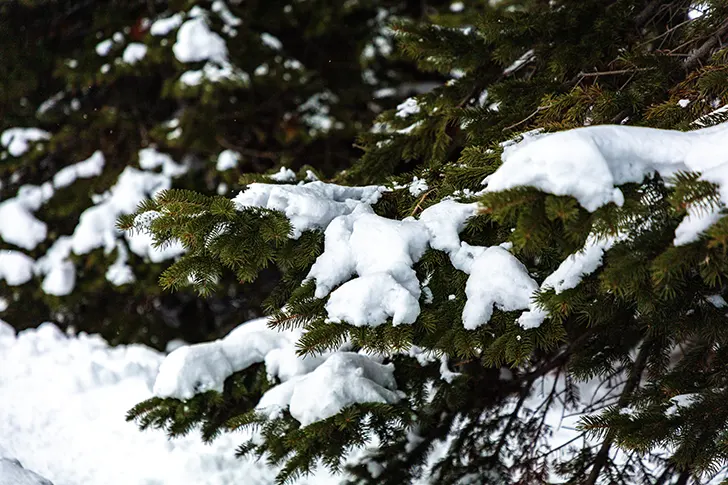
(59, 270)
(382, 252)
(196, 42)
(497, 279)
(164, 26)
(119, 272)
(345, 378)
(97, 225)
(568, 275)
(104, 47)
(134, 52)
(407, 108)
(214, 72)
(79, 435)
(227, 159)
(590, 163)
(91, 167)
(312, 387)
(16, 268)
(192, 369)
(696, 222)
(18, 225)
(308, 206)
(17, 140)
(271, 41)
(284, 175)
(151, 159)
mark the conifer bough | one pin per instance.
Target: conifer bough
(467, 304)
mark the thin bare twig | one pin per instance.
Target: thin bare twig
(537, 111)
(419, 203)
(615, 72)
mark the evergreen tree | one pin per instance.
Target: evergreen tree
(503, 272)
(156, 95)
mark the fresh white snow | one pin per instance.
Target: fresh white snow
(19, 226)
(164, 26)
(309, 206)
(16, 268)
(13, 473)
(227, 159)
(590, 163)
(134, 53)
(17, 141)
(62, 416)
(91, 167)
(196, 42)
(284, 175)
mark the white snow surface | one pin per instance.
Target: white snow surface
(79, 435)
(214, 72)
(408, 107)
(19, 226)
(271, 41)
(345, 378)
(568, 275)
(308, 206)
(590, 163)
(283, 175)
(497, 279)
(696, 222)
(227, 159)
(192, 369)
(91, 167)
(219, 7)
(16, 268)
(13, 473)
(164, 26)
(312, 388)
(134, 52)
(59, 270)
(151, 159)
(104, 47)
(120, 273)
(17, 140)
(196, 42)
(418, 185)
(97, 224)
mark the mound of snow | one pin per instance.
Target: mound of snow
(62, 415)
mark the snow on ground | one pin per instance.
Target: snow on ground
(13, 473)
(62, 406)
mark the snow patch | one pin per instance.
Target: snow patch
(308, 206)
(196, 42)
(134, 53)
(16, 268)
(18, 140)
(91, 167)
(283, 175)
